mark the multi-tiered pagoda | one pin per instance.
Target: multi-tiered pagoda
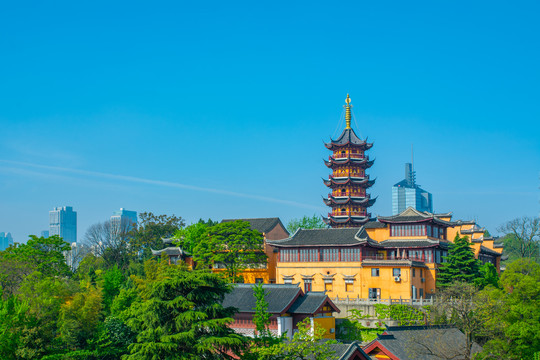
(349, 182)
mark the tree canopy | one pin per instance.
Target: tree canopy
(233, 246)
(459, 265)
(306, 222)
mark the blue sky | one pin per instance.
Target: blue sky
(220, 109)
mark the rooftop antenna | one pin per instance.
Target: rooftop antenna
(412, 158)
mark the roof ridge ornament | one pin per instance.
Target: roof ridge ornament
(347, 112)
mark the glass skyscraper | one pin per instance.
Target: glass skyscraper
(63, 222)
(407, 193)
(123, 221)
(5, 240)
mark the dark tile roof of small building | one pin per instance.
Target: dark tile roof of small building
(279, 297)
(263, 225)
(309, 303)
(424, 342)
(345, 351)
(327, 237)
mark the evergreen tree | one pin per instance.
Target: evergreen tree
(180, 317)
(460, 264)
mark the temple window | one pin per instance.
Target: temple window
(413, 272)
(330, 254)
(350, 254)
(374, 293)
(349, 286)
(309, 255)
(374, 272)
(307, 285)
(328, 286)
(396, 272)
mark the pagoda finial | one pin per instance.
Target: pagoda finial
(348, 112)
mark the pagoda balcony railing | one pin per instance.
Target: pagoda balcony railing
(353, 194)
(347, 156)
(360, 176)
(348, 213)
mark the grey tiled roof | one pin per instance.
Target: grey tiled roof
(171, 251)
(413, 215)
(487, 250)
(309, 303)
(345, 351)
(279, 297)
(263, 225)
(374, 225)
(316, 237)
(424, 342)
(348, 136)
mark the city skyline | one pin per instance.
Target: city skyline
(227, 118)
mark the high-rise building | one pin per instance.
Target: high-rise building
(63, 222)
(123, 221)
(407, 193)
(348, 182)
(6, 240)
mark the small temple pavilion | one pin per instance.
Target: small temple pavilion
(348, 182)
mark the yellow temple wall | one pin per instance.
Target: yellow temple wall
(379, 234)
(363, 280)
(327, 323)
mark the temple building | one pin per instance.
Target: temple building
(396, 257)
(348, 182)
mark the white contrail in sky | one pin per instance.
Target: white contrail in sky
(159, 183)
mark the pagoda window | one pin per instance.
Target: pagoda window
(330, 254)
(343, 210)
(350, 254)
(343, 152)
(343, 191)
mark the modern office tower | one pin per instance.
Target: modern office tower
(123, 221)
(5, 240)
(407, 193)
(63, 222)
(45, 233)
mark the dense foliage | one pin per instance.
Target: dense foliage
(460, 265)
(306, 222)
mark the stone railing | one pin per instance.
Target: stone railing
(391, 301)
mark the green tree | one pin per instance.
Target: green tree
(512, 313)
(487, 276)
(180, 317)
(306, 222)
(188, 237)
(111, 282)
(460, 264)
(79, 317)
(522, 239)
(261, 317)
(151, 230)
(14, 319)
(306, 344)
(233, 246)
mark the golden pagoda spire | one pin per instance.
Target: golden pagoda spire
(348, 112)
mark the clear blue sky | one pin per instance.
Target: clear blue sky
(179, 107)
